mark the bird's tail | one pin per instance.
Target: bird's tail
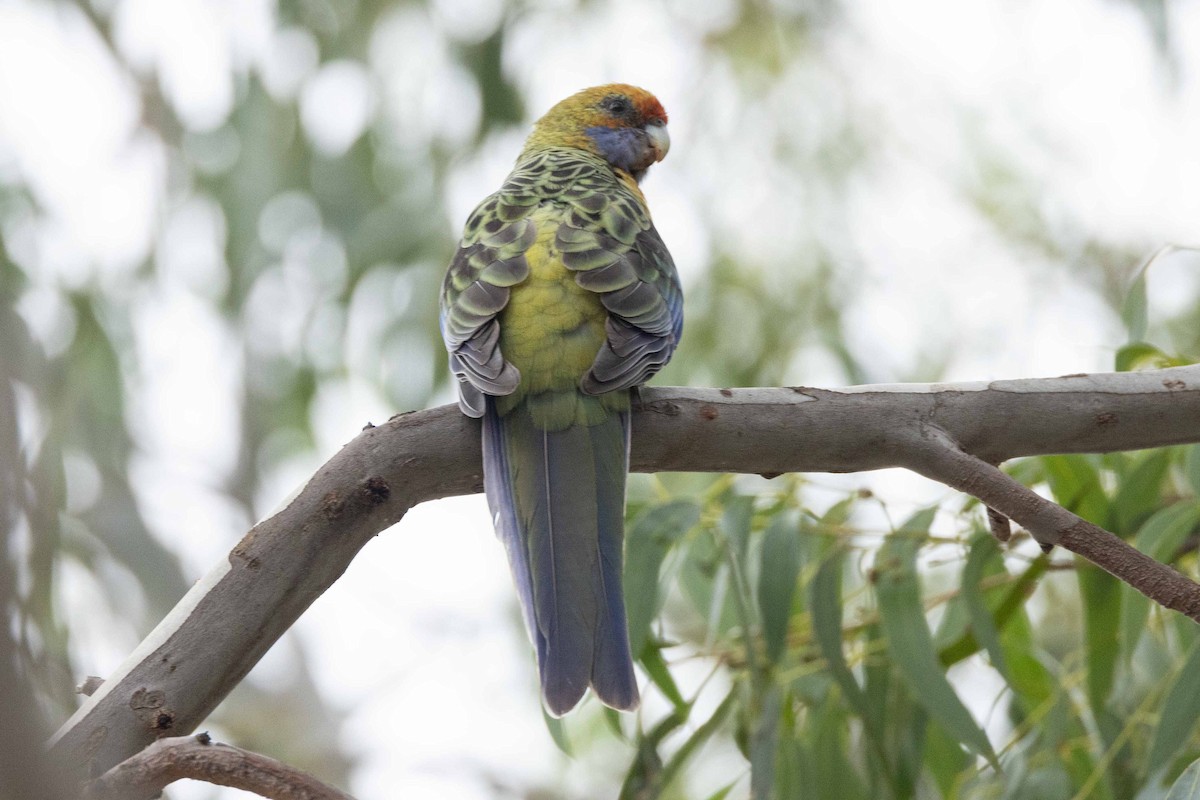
(558, 504)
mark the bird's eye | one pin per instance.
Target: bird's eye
(617, 105)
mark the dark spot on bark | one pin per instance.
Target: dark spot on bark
(770, 475)
(368, 426)
(708, 413)
(332, 505)
(375, 491)
(1046, 547)
(172, 668)
(150, 708)
(203, 738)
(726, 393)
(1106, 418)
(1075, 375)
(253, 563)
(1175, 384)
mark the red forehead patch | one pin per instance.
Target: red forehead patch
(649, 107)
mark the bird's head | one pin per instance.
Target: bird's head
(624, 125)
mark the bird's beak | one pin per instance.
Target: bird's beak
(660, 140)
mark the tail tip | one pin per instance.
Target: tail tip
(624, 698)
(560, 701)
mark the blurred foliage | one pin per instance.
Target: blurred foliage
(845, 663)
(846, 657)
(827, 643)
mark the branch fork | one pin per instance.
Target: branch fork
(952, 433)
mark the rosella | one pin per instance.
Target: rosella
(560, 300)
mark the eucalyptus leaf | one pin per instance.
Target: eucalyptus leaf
(649, 539)
(909, 642)
(777, 579)
(1180, 714)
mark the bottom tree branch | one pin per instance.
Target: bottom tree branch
(199, 758)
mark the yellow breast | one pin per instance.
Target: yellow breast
(551, 328)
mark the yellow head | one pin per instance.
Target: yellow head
(622, 124)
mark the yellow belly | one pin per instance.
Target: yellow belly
(551, 330)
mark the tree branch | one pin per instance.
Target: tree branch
(144, 775)
(950, 432)
(1051, 524)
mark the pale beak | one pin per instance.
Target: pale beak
(660, 140)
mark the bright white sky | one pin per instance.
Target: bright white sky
(417, 639)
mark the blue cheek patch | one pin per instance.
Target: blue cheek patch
(621, 147)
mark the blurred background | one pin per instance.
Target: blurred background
(222, 230)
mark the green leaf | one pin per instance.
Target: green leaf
(1142, 355)
(704, 578)
(1133, 310)
(1009, 607)
(1101, 598)
(791, 770)
(764, 742)
(1191, 467)
(1075, 483)
(721, 794)
(1180, 711)
(1160, 537)
(838, 514)
(1028, 678)
(645, 778)
(694, 742)
(825, 605)
(1164, 533)
(909, 641)
(647, 543)
(660, 675)
(612, 718)
(781, 559)
(983, 552)
(558, 732)
(1187, 787)
(1139, 491)
(945, 760)
(832, 754)
(736, 522)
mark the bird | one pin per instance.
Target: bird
(559, 302)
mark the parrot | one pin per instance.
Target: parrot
(559, 302)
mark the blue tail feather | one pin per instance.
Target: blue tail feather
(557, 498)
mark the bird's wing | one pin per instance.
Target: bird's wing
(489, 260)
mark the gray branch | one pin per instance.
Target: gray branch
(953, 433)
(146, 774)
